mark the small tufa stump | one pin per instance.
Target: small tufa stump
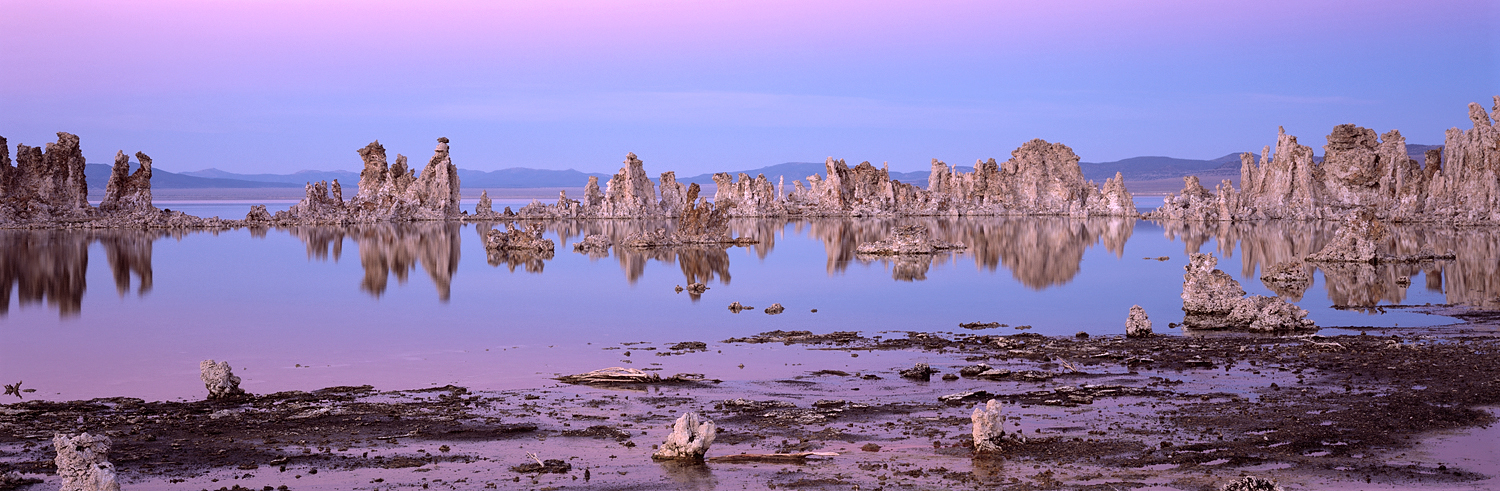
(775, 308)
(989, 428)
(219, 379)
(1137, 325)
(691, 435)
(81, 463)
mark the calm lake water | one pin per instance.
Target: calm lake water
(131, 313)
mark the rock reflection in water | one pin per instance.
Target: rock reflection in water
(1041, 252)
(530, 261)
(50, 266)
(391, 248)
(699, 263)
(1471, 278)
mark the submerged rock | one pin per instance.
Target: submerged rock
(775, 308)
(1137, 325)
(737, 308)
(81, 463)
(691, 435)
(219, 379)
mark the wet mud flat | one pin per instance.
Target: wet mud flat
(1176, 412)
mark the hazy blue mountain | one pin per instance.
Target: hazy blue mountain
(97, 176)
(346, 178)
(521, 177)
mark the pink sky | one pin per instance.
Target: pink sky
(278, 86)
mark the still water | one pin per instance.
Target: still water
(87, 314)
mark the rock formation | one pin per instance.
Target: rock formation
(386, 193)
(701, 222)
(630, 193)
(1041, 178)
(910, 239)
(219, 379)
(691, 435)
(81, 463)
(1211, 299)
(1360, 170)
(49, 190)
(1136, 324)
(989, 427)
(775, 308)
(513, 239)
(128, 192)
(1358, 241)
(45, 186)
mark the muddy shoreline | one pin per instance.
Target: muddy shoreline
(1102, 412)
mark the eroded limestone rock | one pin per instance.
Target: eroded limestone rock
(513, 239)
(219, 379)
(128, 192)
(989, 427)
(691, 435)
(1136, 324)
(82, 463)
(1211, 299)
(386, 193)
(1357, 241)
(630, 193)
(1361, 170)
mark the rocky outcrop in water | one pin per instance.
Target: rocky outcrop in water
(219, 379)
(691, 435)
(1360, 170)
(701, 222)
(1211, 299)
(1041, 178)
(1137, 325)
(49, 190)
(386, 193)
(82, 463)
(128, 192)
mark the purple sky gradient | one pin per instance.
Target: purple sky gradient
(279, 86)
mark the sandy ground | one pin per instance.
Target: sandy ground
(1387, 409)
